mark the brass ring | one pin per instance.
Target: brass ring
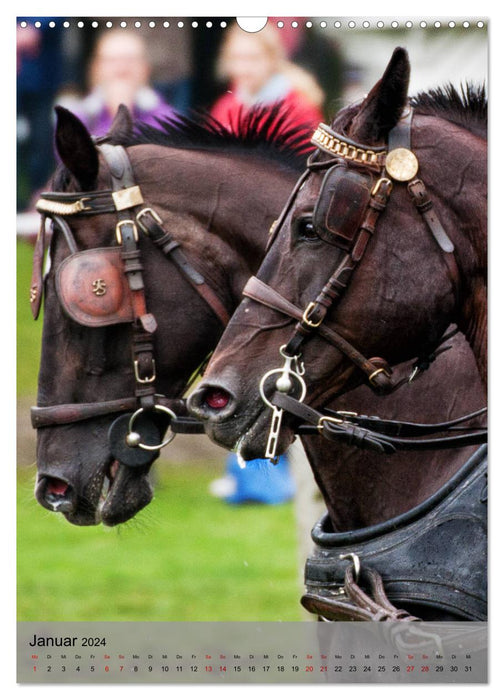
(377, 371)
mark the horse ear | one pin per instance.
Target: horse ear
(383, 106)
(76, 148)
(122, 126)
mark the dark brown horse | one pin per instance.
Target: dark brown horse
(402, 295)
(202, 181)
(414, 279)
(71, 476)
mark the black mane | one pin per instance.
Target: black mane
(263, 130)
(467, 108)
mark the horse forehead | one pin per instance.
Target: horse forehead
(307, 196)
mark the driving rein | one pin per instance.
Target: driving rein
(346, 213)
(104, 286)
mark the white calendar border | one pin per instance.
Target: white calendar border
(430, 9)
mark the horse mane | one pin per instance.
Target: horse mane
(263, 130)
(466, 108)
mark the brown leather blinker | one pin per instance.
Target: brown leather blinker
(341, 206)
(93, 289)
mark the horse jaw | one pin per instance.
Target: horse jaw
(129, 492)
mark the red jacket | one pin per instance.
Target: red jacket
(300, 112)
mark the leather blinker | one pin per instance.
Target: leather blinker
(93, 289)
(341, 206)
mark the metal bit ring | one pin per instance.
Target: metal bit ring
(280, 371)
(151, 448)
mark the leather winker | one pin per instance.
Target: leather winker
(93, 288)
(341, 206)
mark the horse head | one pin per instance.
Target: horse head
(380, 247)
(146, 264)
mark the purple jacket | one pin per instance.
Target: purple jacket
(148, 105)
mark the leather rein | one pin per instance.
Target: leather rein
(124, 199)
(398, 164)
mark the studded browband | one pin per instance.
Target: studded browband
(329, 141)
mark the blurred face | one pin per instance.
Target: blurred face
(121, 58)
(249, 64)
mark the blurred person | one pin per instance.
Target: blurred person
(119, 73)
(257, 73)
(319, 54)
(40, 72)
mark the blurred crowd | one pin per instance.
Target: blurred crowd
(159, 71)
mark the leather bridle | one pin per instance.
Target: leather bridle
(333, 588)
(382, 167)
(124, 199)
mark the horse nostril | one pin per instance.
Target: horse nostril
(55, 494)
(216, 398)
(56, 487)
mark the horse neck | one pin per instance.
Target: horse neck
(361, 487)
(464, 193)
(475, 325)
(471, 255)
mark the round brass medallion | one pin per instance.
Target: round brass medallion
(401, 164)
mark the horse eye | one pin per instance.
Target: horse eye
(305, 229)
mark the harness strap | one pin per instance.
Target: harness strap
(377, 370)
(150, 222)
(423, 203)
(81, 203)
(361, 431)
(126, 196)
(334, 288)
(37, 281)
(66, 414)
(359, 606)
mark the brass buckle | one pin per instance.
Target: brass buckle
(379, 184)
(154, 214)
(328, 419)
(82, 206)
(146, 380)
(306, 312)
(120, 224)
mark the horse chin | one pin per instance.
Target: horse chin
(115, 494)
(128, 492)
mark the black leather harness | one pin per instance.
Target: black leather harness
(434, 556)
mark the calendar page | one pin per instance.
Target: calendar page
(251, 350)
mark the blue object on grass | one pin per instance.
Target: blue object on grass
(260, 481)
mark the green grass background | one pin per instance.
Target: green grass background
(187, 556)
